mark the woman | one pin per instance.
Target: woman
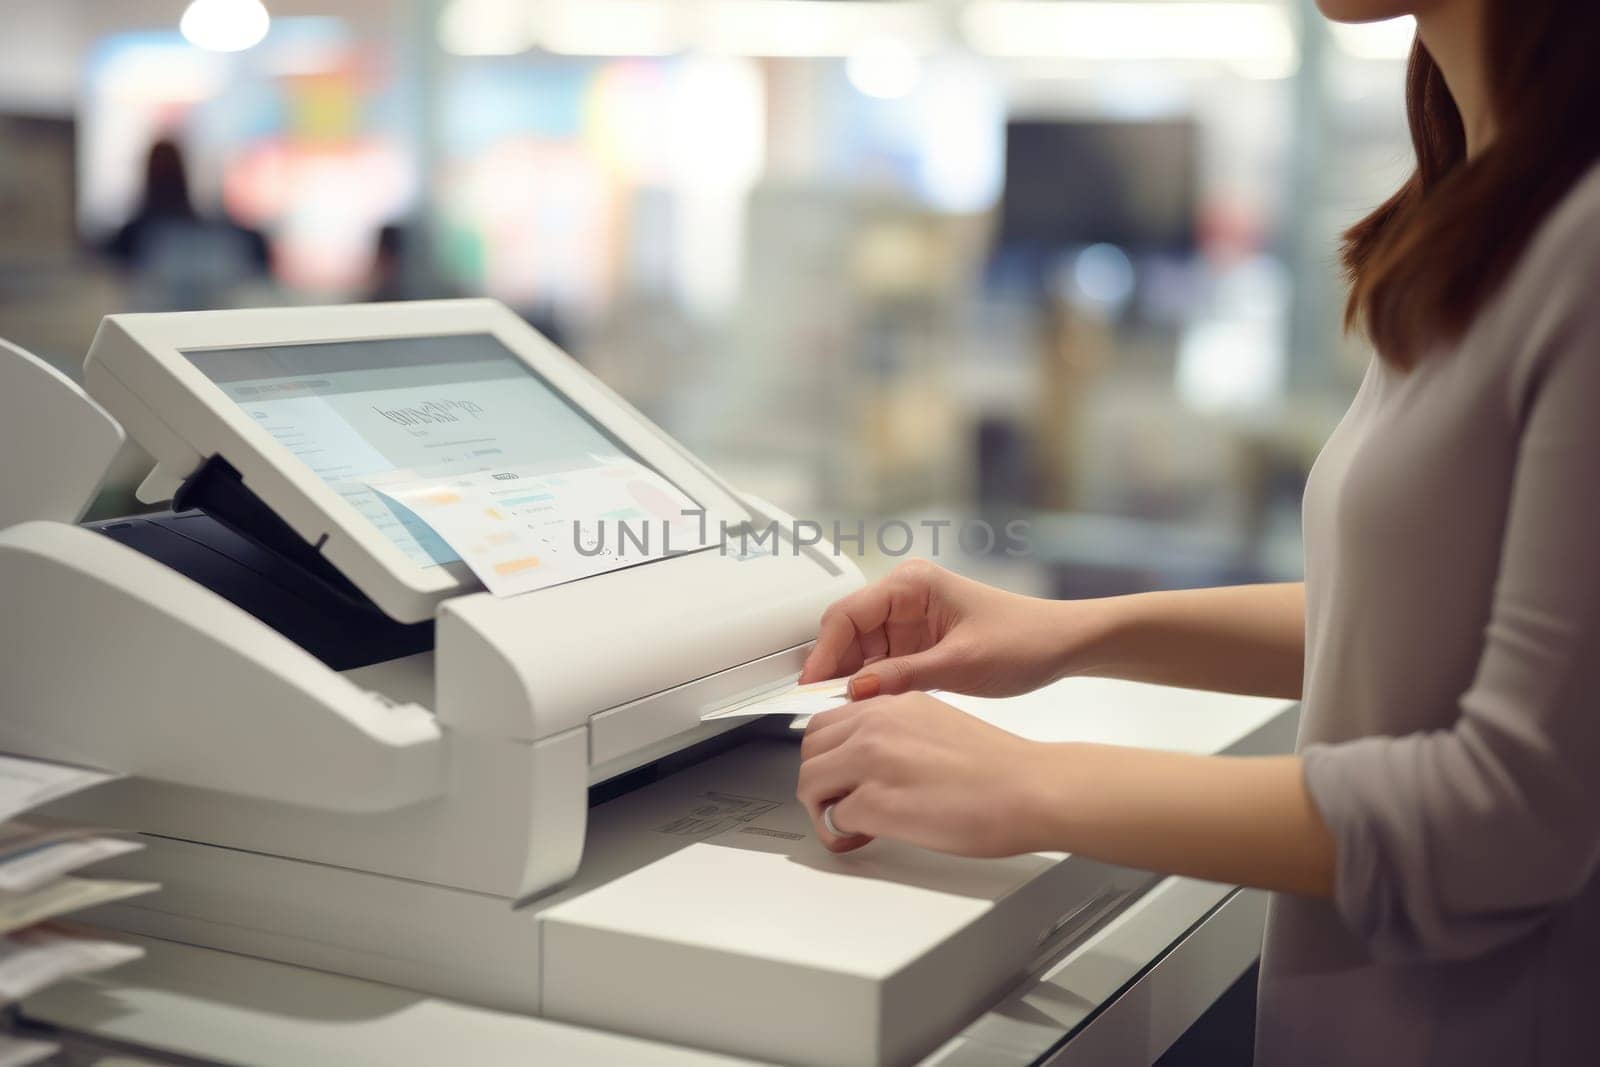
(180, 259)
(1433, 844)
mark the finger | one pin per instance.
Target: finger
(828, 736)
(901, 674)
(864, 686)
(842, 626)
(905, 627)
(828, 777)
(839, 665)
(850, 836)
(874, 645)
(887, 618)
(825, 781)
(824, 719)
(847, 664)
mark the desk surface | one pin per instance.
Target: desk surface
(217, 1006)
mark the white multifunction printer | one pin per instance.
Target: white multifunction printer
(343, 753)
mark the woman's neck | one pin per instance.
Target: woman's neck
(1453, 32)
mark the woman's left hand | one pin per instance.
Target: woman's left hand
(914, 768)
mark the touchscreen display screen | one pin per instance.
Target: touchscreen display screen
(353, 411)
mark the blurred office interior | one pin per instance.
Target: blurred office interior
(1065, 260)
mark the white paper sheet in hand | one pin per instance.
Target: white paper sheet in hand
(804, 700)
(26, 784)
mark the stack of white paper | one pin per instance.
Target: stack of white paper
(26, 784)
(37, 885)
(32, 959)
(32, 856)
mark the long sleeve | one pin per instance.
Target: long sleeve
(1456, 840)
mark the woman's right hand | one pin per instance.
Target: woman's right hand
(923, 627)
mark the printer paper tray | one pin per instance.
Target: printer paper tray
(757, 941)
(705, 913)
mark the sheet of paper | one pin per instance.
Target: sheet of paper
(522, 528)
(20, 1052)
(25, 869)
(62, 896)
(26, 784)
(34, 958)
(804, 700)
(800, 701)
(24, 835)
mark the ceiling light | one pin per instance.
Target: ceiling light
(1097, 30)
(608, 28)
(225, 25)
(887, 70)
(485, 28)
(816, 28)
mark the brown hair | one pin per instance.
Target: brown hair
(166, 183)
(1425, 262)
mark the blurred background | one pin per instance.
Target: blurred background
(1069, 261)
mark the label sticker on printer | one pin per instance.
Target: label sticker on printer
(715, 812)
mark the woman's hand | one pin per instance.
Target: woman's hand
(923, 627)
(913, 768)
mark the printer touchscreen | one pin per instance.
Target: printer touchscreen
(427, 407)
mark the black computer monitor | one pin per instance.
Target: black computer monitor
(1072, 183)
